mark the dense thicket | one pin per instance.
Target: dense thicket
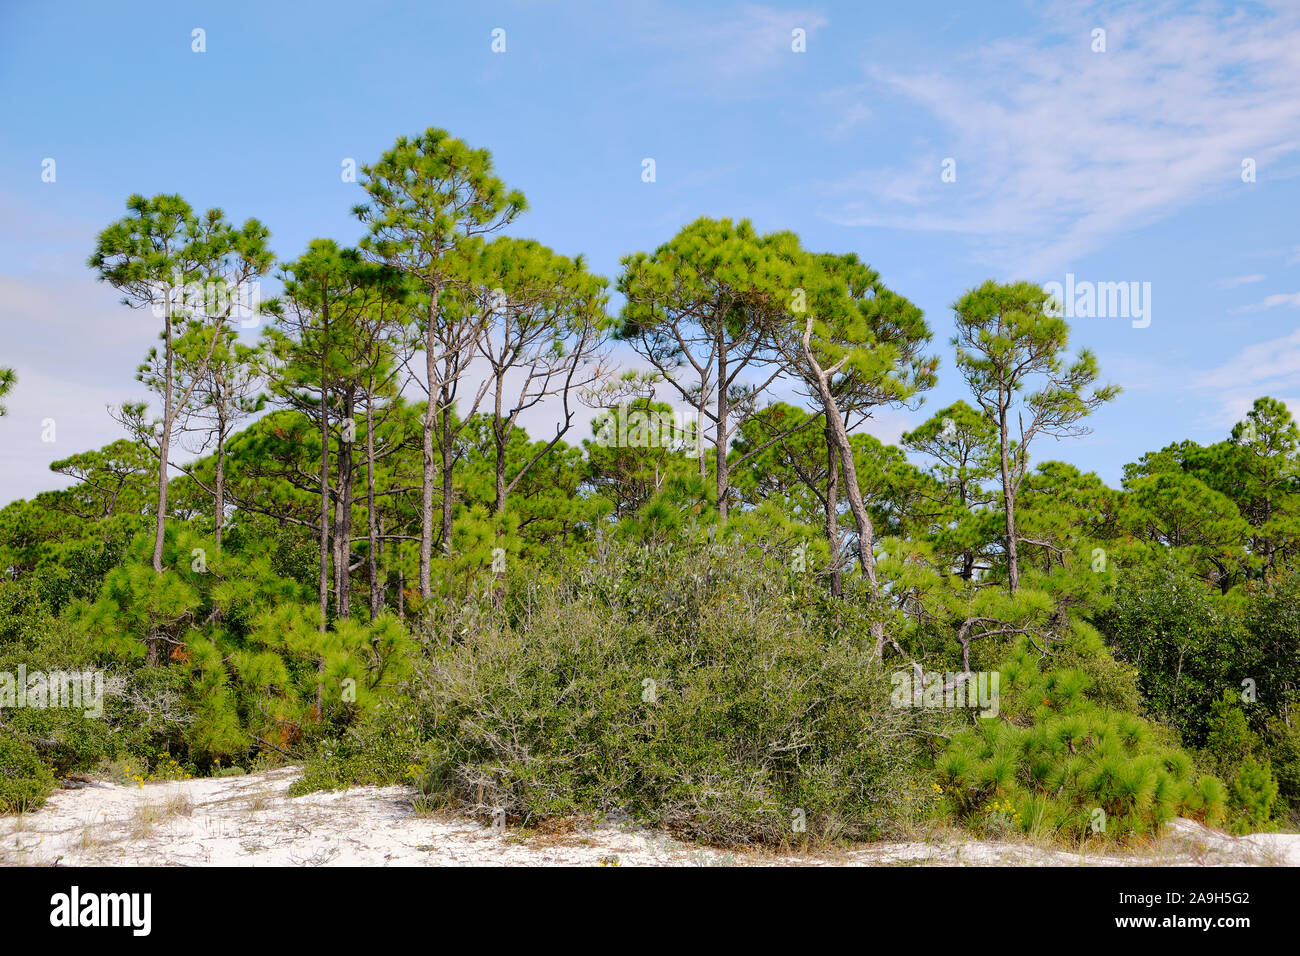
(700, 613)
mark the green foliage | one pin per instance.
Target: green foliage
(1188, 650)
(1253, 791)
(1229, 741)
(68, 741)
(1175, 510)
(630, 625)
(25, 780)
(225, 661)
(1282, 744)
(1011, 338)
(1272, 618)
(695, 695)
(1060, 765)
(383, 748)
(7, 381)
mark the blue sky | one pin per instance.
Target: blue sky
(1122, 165)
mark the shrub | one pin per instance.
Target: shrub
(1229, 740)
(384, 748)
(230, 661)
(1187, 647)
(1252, 792)
(69, 741)
(697, 694)
(25, 780)
(1061, 766)
(1283, 749)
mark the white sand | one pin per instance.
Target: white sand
(251, 821)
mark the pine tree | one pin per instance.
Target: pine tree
(7, 381)
(426, 196)
(192, 272)
(1009, 336)
(711, 300)
(546, 325)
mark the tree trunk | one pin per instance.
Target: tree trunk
(500, 505)
(343, 510)
(1008, 499)
(724, 489)
(371, 529)
(700, 420)
(324, 496)
(324, 528)
(866, 533)
(832, 516)
(967, 556)
(426, 486)
(500, 436)
(336, 539)
(219, 491)
(164, 445)
(448, 497)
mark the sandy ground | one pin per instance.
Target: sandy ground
(252, 821)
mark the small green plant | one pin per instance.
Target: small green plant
(1252, 793)
(1058, 758)
(1230, 741)
(25, 780)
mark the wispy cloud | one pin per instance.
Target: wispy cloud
(1059, 147)
(1264, 368)
(730, 47)
(1239, 280)
(854, 116)
(1234, 409)
(1272, 302)
(75, 352)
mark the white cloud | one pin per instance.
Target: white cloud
(1272, 302)
(724, 50)
(1264, 368)
(75, 351)
(1059, 148)
(79, 421)
(1240, 280)
(1277, 360)
(1234, 409)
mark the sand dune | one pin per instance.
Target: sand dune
(252, 821)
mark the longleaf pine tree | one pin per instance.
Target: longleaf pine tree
(190, 270)
(426, 196)
(1010, 338)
